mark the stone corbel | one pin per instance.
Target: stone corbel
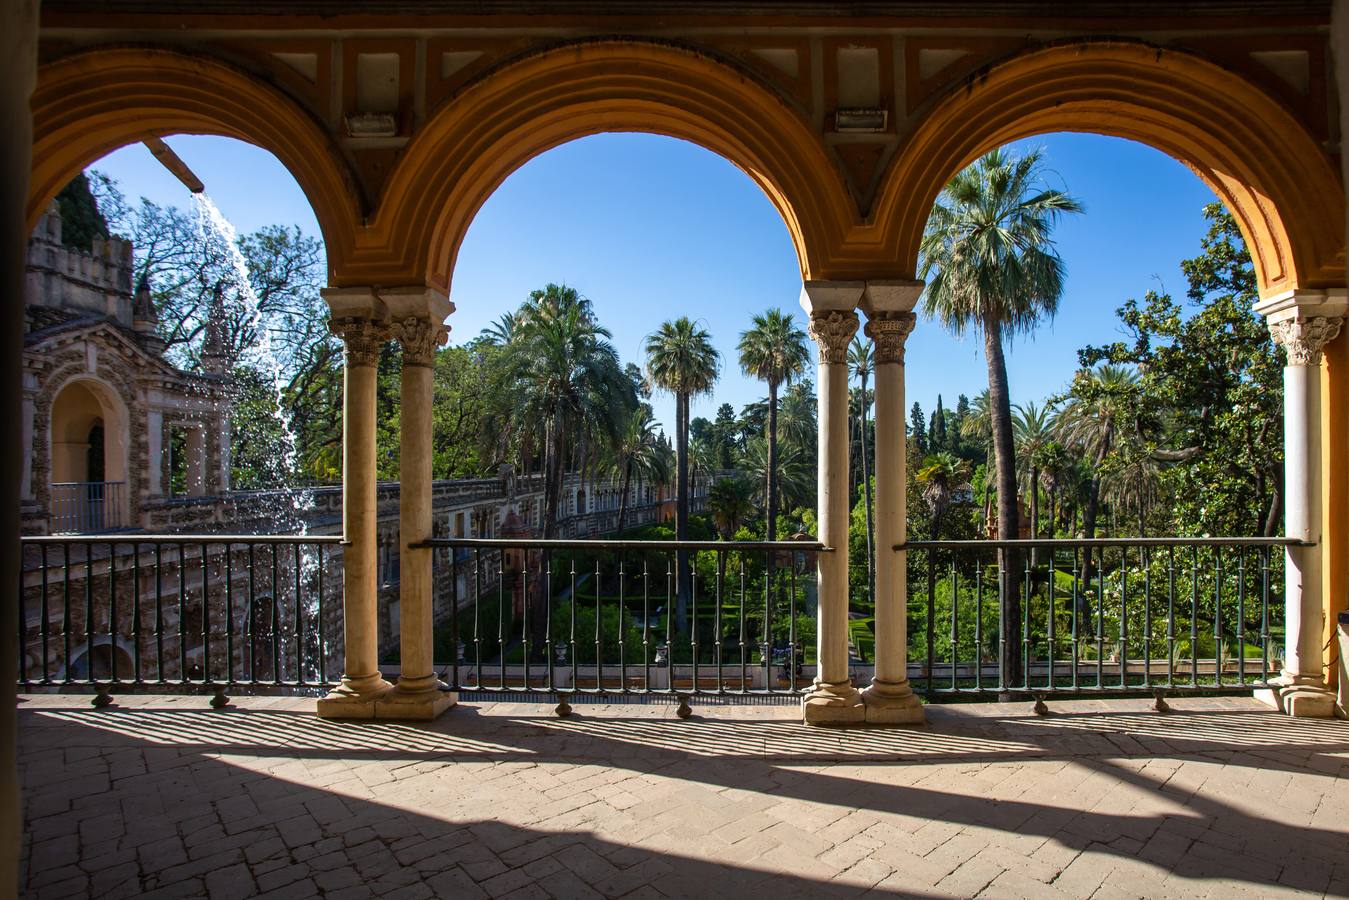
(832, 307)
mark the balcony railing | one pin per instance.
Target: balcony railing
(571, 617)
(86, 507)
(164, 612)
(1137, 615)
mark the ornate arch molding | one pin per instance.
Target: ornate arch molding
(1262, 163)
(516, 112)
(95, 101)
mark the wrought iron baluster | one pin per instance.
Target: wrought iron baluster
(276, 620)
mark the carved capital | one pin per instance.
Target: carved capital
(419, 339)
(833, 331)
(1304, 338)
(364, 338)
(888, 331)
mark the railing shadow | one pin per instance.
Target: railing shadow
(766, 755)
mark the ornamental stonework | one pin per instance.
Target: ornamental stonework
(1304, 339)
(889, 331)
(364, 338)
(833, 331)
(419, 339)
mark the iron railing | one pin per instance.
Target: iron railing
(566, 617)
(83, 507)
(1137, 615)
(212, 613)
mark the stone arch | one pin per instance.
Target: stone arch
(518, 111)
(1256, 156)
(93, 102)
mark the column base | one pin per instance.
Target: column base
(833, 704)
(892, 703)
(419, 706)
(1302, 700)
(354, 698)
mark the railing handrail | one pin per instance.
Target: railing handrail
(565, 544)
(125, 538)
(56, 484)
(1034, 543)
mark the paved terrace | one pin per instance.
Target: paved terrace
(167, 798)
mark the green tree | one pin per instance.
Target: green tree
(918, 429)
(773, 350)
(1101, 404)
(680, 359)
(988, 258)
(81, 219)
(1209, 393)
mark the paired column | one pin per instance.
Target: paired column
(890, 699)
(418, 326)
(1303, 322)
(833, 699)
(360, 321)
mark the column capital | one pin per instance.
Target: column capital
(833, 330)
(1304, 321)
(889, 331)
(1305, 338)
(364, 338)
(419, 339)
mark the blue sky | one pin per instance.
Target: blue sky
(651, 227)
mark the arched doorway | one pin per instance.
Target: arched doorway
(89, 440)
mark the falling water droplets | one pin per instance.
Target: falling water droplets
(260, 355)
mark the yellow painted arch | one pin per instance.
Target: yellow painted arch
(91, 103)
(514, 113)
(1281, 186)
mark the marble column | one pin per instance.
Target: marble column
(833, 699)
(360, 321)
(418, 325)
(890, 699)
(1303, 322)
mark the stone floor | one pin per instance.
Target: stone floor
(164, 797)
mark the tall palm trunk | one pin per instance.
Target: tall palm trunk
(866, 493)
(1000, 415)
(772, 475)
(682, 508)
(623, 498)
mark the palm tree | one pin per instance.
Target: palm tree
(990, 265)
(773, 350)
(978, 426)
(1132, 480)
(794, 472)
(861, 364)
(1094, 418)
(639, 451)
(680, 359)
(1033, 433)
(939, 477)
(561, 376)
(564, 378)
(730, 502)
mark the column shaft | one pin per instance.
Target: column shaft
(890, 698)
(1302, 516)
(362, 683)
(418, 693)
(1302, 689)
(833, 698)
